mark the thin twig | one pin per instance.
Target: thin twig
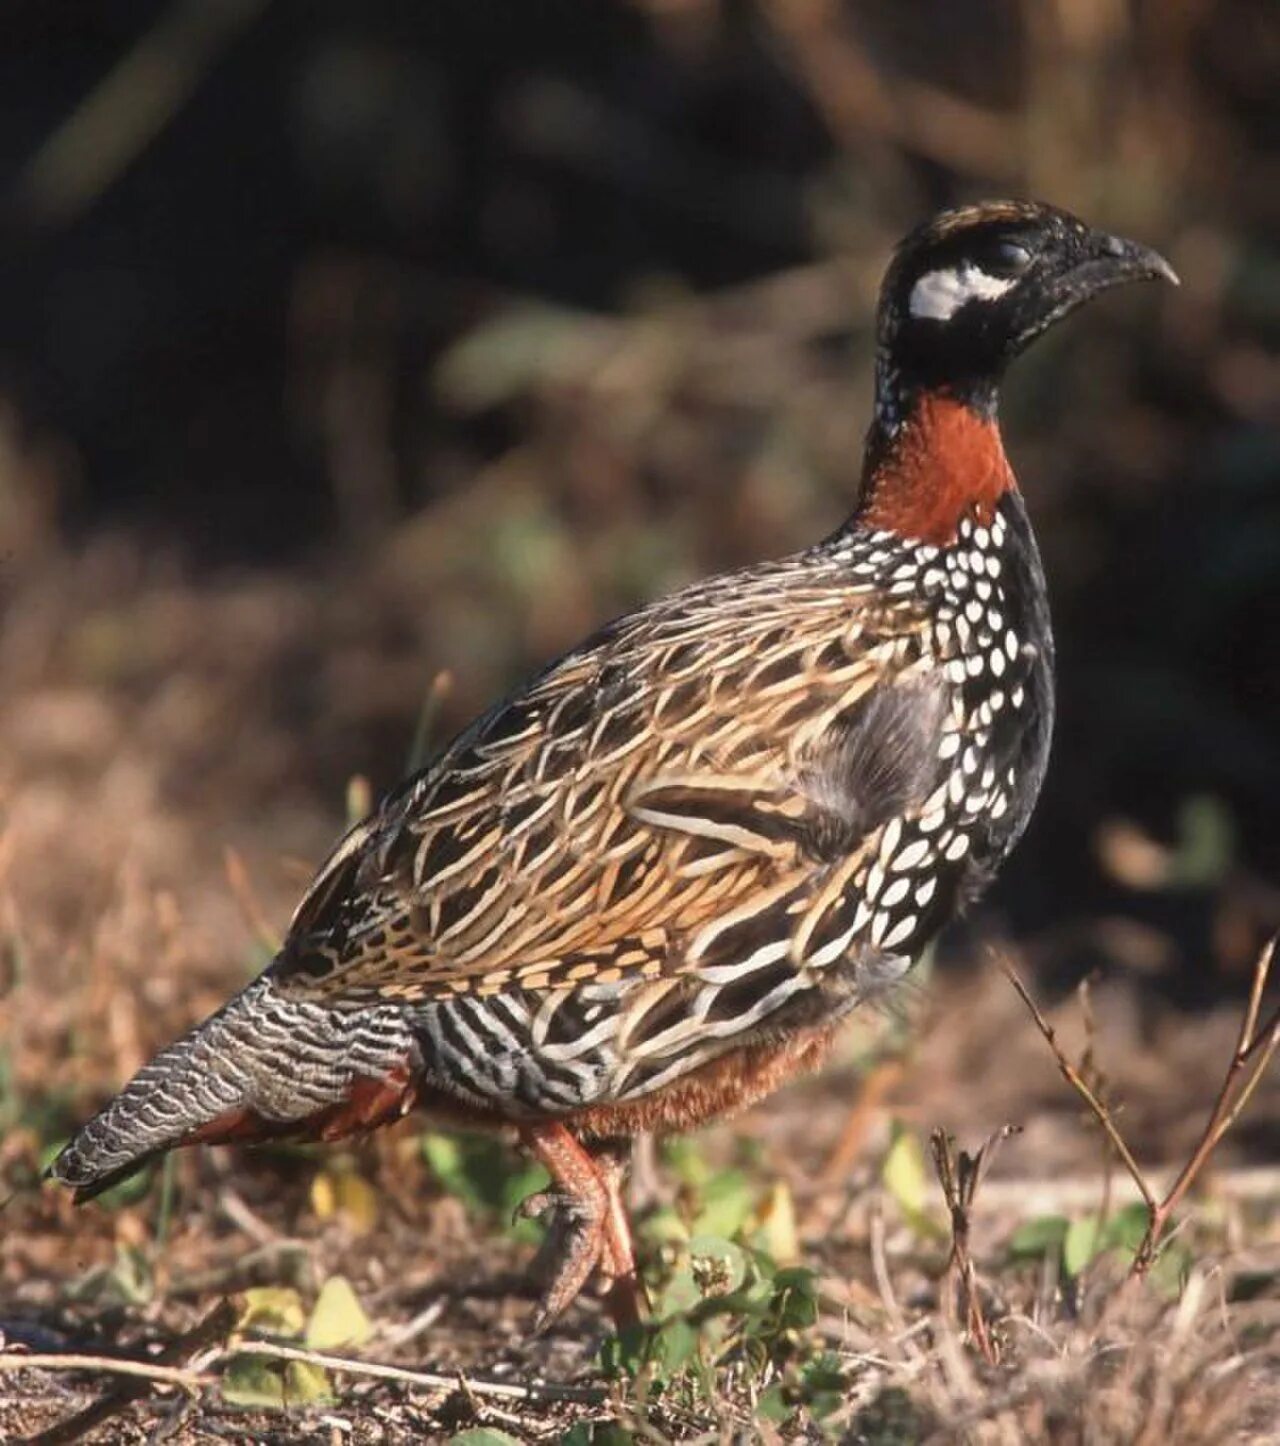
(960, 1179)
(242, 890)
(1073, 1077)
(217, 1324)
(534, 1391)
(1228, 1105)
(1226, 1108)
(111, 1365)
(424, 1320)
(884, 1283)
(213, 1327)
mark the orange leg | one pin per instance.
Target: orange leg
(589, 1226)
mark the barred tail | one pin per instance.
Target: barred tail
(261, 1067)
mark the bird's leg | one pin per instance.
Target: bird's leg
(645, 1185)
(624, 1292)
(588, 1227)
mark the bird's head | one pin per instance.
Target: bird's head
(970, 289)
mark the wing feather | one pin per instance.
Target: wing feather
(653, 802)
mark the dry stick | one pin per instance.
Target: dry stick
(214, 1327)
(112, 1365)
(1073, 1077)
(1226, 1109)
(242, 891)
(960, 1262)
(536, 1391)
(168, 1375)
(960, 1181)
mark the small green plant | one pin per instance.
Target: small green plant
(596, 1433)
(483, 1173)
(337, 1319)
(729, 1321)
(1078, 1243)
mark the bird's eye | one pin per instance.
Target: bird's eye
(1005, 258)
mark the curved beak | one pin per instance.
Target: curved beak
(1114, 260)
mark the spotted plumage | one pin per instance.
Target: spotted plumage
(646, 887)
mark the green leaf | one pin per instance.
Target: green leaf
(824, 1373)
(680, 1293)
(1206, 843)
(1172, 1267)
(1127, 1228)
(253, 1382)
(483, 1436)
(625, 1354)
(726, 1200)
(772, 1405)
(676, 1344)
(794, 1306)
(776, 1232)
(129, 1191)
(1034, 1239)
(256, 1384)
(826, 1388)
(307, 1385)
(444, 1154)
(340, 1191)
(664, 1227)
(903, 1172)
(479, 1171)
(684, 1158)
(1081, 1243)
(904, 1176)
(338, 1318)
(273, 1310)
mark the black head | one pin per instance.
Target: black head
(968, 290)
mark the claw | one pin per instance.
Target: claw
(535, 1206)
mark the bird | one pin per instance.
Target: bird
(645, 888)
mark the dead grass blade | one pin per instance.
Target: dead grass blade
(242, 890)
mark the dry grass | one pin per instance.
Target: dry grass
(122, 922)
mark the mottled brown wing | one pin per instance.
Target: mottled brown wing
(628, 814)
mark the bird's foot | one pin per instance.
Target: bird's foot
(588, 1229)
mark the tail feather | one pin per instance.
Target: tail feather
(260, 1067)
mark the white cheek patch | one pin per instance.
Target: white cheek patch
(938, 295)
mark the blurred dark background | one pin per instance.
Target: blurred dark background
(340, 345)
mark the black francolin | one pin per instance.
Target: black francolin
(647, 887)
